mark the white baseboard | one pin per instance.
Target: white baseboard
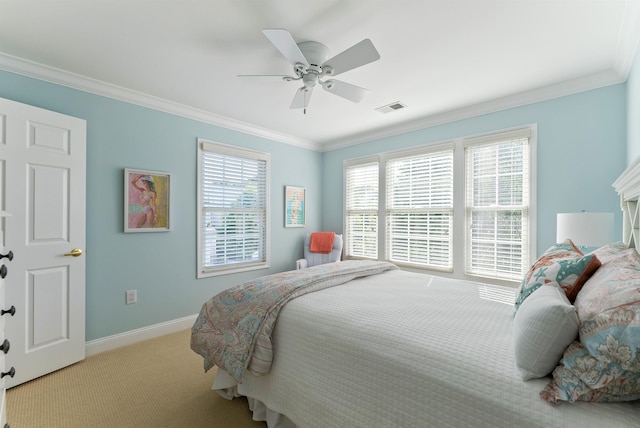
(129, 337)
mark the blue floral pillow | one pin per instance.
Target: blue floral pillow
(562, 263)
(604, 365)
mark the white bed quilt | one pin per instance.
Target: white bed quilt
(403, 349)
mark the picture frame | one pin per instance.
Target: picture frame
(294, 206)
(147, 201)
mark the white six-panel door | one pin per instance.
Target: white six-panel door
(42, 180)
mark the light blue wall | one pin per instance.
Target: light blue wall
(581, 150)
(633, 111)
(161, 266)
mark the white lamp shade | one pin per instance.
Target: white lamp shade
(585, 229)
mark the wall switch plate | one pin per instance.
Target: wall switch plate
(131, 297)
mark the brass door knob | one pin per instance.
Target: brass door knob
(76, 252)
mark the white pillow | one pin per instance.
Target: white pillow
(543, 327)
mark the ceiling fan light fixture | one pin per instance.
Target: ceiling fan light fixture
(310, 80)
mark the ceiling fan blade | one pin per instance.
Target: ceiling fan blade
(301, 98)
(357, 55)
(345, 90)
(283, 41)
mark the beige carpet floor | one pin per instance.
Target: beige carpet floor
(155, 383)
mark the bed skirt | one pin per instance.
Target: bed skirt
(227, 388)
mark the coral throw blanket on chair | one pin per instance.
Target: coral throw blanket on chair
(321, 242)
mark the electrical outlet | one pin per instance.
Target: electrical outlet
(131, 297)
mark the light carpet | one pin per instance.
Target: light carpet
(155, 383)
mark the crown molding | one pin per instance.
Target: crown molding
(75, 81)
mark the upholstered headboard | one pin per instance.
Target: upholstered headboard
(628, 187)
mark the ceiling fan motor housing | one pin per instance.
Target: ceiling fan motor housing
(315, 53)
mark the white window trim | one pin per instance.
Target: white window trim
(459, 204)
(240, 152)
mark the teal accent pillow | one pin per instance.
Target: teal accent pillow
(562, 263)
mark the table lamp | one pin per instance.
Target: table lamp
(585, 229)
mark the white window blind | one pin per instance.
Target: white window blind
(361, 190)
(233, 208)
(419, 210)
(497, 207)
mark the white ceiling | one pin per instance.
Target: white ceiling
(444, 60)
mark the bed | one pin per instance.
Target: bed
(392, 348)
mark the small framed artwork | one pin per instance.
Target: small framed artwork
(147, 206)
(294, 206)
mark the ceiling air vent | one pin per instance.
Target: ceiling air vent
(391, 107)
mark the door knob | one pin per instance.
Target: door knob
(76, 252)
(3, 271)
(5, 346)
(9, 255)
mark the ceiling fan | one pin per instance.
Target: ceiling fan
(311, 65)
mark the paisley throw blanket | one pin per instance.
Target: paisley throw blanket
(233, 329)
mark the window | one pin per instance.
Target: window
(463, 207)
(497, 207)
(233, 209)
(419, 213)
(362, 210)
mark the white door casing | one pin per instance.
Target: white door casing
(43, 171)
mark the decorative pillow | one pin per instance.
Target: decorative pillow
(614, 284)
(544, 326)
(562, 263)
(613, 251)
(604, 365)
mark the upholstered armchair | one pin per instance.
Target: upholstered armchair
(314, 258)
